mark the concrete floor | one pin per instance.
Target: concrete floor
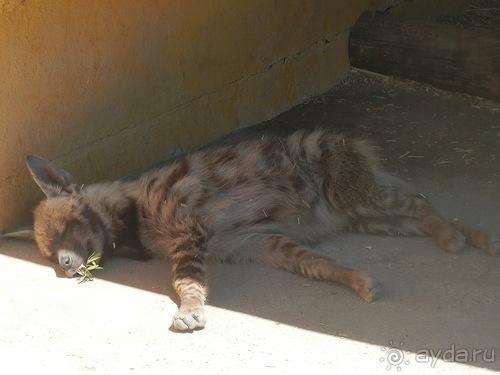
(262, 320)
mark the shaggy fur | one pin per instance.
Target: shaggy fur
(265, 200)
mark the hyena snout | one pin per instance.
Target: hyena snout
(65, 262)
(69, 262)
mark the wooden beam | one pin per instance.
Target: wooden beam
(464, 60)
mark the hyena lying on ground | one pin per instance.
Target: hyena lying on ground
(262, 200)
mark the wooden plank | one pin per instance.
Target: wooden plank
(464, 60)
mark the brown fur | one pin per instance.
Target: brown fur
(265, 200)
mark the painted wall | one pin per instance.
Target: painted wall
(108, 87)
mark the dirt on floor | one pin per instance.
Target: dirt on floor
(439, 312)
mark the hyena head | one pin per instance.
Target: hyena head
(67, 228)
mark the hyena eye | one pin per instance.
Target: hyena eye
(62, 233)
(70, 229)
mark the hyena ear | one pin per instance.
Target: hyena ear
(53, 180)
(24, 233)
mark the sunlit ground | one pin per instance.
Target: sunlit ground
(52, 325)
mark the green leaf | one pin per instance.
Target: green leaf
(91, 264)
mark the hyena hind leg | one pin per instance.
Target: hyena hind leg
(478, 237)
(449, 236)
(388, 226)
(283, 253)
(417, 207)
(414, 215)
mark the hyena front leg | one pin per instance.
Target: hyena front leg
(281, 252)
(188, 266)
(191, 314)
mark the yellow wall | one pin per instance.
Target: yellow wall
(107, 87)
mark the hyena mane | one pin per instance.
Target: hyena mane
(267, 200)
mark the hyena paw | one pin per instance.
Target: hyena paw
(368, 288)
(493, 248)
(450, 240)
(189, 319)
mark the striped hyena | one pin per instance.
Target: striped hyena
(265, 200)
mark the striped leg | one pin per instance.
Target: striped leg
(188, 267)
(479, 238)
(281, 252)
(399, 213)
(191, 314)
(414, 215)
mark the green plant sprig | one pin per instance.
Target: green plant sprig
(91, 264)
